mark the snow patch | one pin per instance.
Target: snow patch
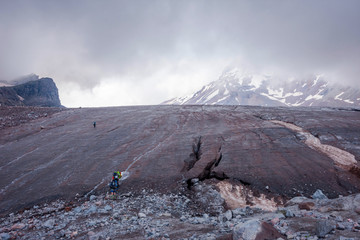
(212, 95)
(221, 99)
(316, 80)
(276, 93)
(298, 103)
(316, 97)
(348, 101)
(341, 158)
(274, 98)
(294, 94)
(20, 97)
(337, 97)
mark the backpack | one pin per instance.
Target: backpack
(114, 184)
(116, 175)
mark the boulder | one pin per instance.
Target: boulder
(295, 201)
(5, 236)
(49, 223)
(107, 208)
(255, 229)
(306, 206)
(323, 227)
(18, 226)
(289, 214)
(247, 230)
(91, 210)
(228, 215)
(319, 195)
(346, 238)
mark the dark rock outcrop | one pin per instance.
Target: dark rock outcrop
(41, 92)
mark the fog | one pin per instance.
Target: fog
(107, 53)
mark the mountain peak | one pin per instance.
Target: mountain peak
(239, 87)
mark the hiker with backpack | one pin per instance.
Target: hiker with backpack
(114, 184)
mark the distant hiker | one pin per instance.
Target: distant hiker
(114, 184)
(94, 123)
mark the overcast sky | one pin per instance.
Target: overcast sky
(111, 53)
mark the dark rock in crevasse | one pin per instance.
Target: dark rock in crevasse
(36, 92)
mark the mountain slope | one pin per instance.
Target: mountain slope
(166, 148)
(233, 88)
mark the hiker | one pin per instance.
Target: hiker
(94, 123)
(114, 184)
(118, 173)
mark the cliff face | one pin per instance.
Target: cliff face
(42, 92)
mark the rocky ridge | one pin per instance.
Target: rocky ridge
(151, 215)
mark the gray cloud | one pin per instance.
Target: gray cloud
(81, 43)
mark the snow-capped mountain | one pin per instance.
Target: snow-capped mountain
(235, 88)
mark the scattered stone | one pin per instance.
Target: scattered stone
(91, 209)
(228, 215)
(77, 209)
(92, 197)
(319, 195)
(18, 226)
(247, 230)
(5, 236)
(357, 210)
(238, 212)
(74, 234)
(345, 238)
(49, 223)
(323, 227)
(339, 219)
(107, 208)
(306, 206)
(275, 221)
(289, 214)
(340, 226)
(131, 217)
(194, 180)
(167, 214)
(295, 200)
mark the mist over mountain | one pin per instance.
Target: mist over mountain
(236, 88)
